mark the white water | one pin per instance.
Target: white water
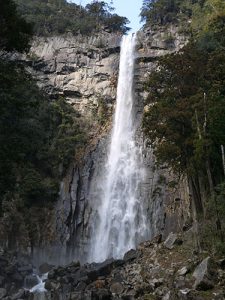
(122, 222)
(39, 289)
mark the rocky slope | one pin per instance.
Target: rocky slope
(157, 270)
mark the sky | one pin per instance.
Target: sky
(125, 8)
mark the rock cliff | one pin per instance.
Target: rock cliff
(81, 69)
(84, 70)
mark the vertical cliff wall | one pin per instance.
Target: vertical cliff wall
(84, 70)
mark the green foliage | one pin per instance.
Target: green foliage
(162, 12)
(212, 239)
(59, 17)
(38, 138)
(15, 32)
(185, 111)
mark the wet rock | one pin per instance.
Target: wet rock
(3, 293)
(101, 269)
(130, 255)
(116, 288)
(26, 269)
(81, 286)
(2, 280)
(20, 294)
(51, 285)
(45, 268)
(204, 275)
(30, 281)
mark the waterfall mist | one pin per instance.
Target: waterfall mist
(121, 221)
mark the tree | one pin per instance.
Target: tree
(15, 32)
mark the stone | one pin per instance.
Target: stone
(45, 268)
(157, 282)
(26, 269)
(204, 275)
(30, 281)
(166, 297)
(102, 294)
(171, 240)
(18, 295)
(51, 285)
(81, 286)
(130, 255)
(221, 263)
(2, 280)
(100, 269)
(3, 293)
(116, 288)
(183, 271)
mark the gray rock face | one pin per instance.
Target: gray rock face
(85, 70)
(170, 241)
(76, 210)
(3, 293)
(82, 69)
(204, 275)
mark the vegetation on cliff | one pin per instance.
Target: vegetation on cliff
(59, 17)
(38, 138)
(184, 120)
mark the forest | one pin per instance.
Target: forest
(185, 119)
(60, 17)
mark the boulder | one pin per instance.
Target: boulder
(130, 255)
(204, 275)
(45, 268)
(116, 288)
(183, 271)
(30, 281)
(3, 293)
(172, 240)
(18, 295)
(100, 269)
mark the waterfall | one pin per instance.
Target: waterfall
(122, 223)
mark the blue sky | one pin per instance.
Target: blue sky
(126, 8)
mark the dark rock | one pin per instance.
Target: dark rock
(101, 269)
(52, 274)
(157, 239)
(204, 275)
(116, 288)
(20, 294)
(30, 281)
(81, 286)
(26, 269)
(17, 277)
(102, 294)
(51, 285)
(45, 268)
(3, 293)
(130, 255)
(2, 280)
(221, 263)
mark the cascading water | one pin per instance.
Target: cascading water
(122, 223)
